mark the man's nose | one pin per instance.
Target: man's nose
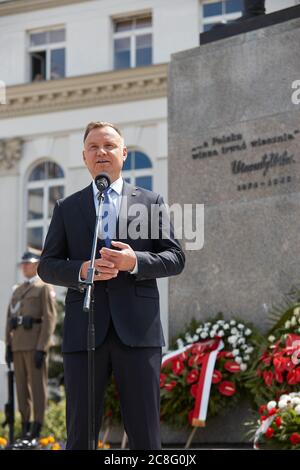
(101, 151)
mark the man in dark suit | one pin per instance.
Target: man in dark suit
(128, 329)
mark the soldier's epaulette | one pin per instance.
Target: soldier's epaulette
(15, 287)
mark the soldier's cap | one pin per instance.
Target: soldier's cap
(31, 256)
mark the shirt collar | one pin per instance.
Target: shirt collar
(31, 280)
(117, 186)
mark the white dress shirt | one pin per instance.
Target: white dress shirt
(116, 198)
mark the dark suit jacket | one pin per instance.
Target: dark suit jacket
(132, 301)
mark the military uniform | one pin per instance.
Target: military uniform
(31, 319)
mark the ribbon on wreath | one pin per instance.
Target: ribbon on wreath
(210, 349)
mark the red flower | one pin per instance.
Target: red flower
(183, 356)
(269, 433)
(170, 385)
(162, 380)
(263, 418)
(177, 367)
(279, 363)
(295, 438)
(273, 411)
(278, 421)
(291, 339)
(191, 361)
(268, 378)
(278, 377)
(226, 354)
(266, 358)
(217, 377)
(232, 367)
(193, 390)
(192, 376)
(262, 409)
(291, 377)
(227, 388)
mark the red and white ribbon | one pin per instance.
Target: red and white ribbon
(210, 348)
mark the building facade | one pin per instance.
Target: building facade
(65, 63)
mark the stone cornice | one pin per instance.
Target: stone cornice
(85, 91)
(14, 7)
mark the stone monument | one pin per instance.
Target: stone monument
(234, 146)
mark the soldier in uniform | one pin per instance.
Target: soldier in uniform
(31, 320)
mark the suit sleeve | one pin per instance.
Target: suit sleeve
(167, 257)
(54, 266)
(49, 316)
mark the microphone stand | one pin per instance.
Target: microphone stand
(88, 307)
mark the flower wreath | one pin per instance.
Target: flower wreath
(182, 381)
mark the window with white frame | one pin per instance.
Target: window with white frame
(47, 54)
(132, 42)
(223, 11)
(138, 170)
(45, 185)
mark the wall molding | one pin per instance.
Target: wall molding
(13, 7)
(85, 91)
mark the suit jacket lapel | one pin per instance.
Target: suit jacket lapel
(128, 198)
(87, 207)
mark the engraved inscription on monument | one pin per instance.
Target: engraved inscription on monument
(253, 160)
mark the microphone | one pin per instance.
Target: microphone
(102, 181)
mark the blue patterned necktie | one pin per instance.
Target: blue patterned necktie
(109, 219)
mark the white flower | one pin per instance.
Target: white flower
(271, 338)
(296, 311)
(248, 332)
(241, 326)
(180, 343)
(287, 325)
(199, 330)
(235, 352)
(212, 334)
(195, 338)
(238, 360)
(241, 341)
(246, 358)
(249, 350)
(296, 401)
(234, 331)
(284, 397)
(243, 367)
(297, 410)
(272, 404)
(226, 326)
(293, 321)
(220, 322)
(203, 335)
(221, 333)
(231, 339)
(188, 338)
(232, 322)
(282, 404)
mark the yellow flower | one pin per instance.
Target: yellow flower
(3, 442)
(56, 446)
(51, 440)
(106, 446)
(100, 444)
(44, 441)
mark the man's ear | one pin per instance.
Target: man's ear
(83, 156)
(124, 153)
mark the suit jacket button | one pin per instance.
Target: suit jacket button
(106, 290)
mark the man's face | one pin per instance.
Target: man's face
(104, 151)
(29, 269)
